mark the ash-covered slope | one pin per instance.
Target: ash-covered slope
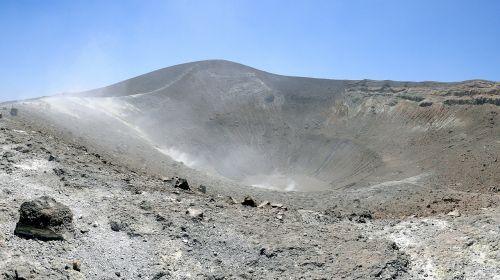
(290, 133)
(244, 124)
(212, 75)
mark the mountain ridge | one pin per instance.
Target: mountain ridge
(164, 75)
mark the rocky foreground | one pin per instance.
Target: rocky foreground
(126, 224)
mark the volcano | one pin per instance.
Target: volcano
(216, 170)
(259, 129)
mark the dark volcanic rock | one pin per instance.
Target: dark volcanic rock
(77, 265)
(118, 226)
(249, 201)
(44, 219)
(59, 172)
(181, 183)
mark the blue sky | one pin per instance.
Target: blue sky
(53, 46)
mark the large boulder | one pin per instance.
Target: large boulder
(44, 219)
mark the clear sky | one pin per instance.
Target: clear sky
(53, 46)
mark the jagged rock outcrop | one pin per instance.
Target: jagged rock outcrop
(45, 219)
